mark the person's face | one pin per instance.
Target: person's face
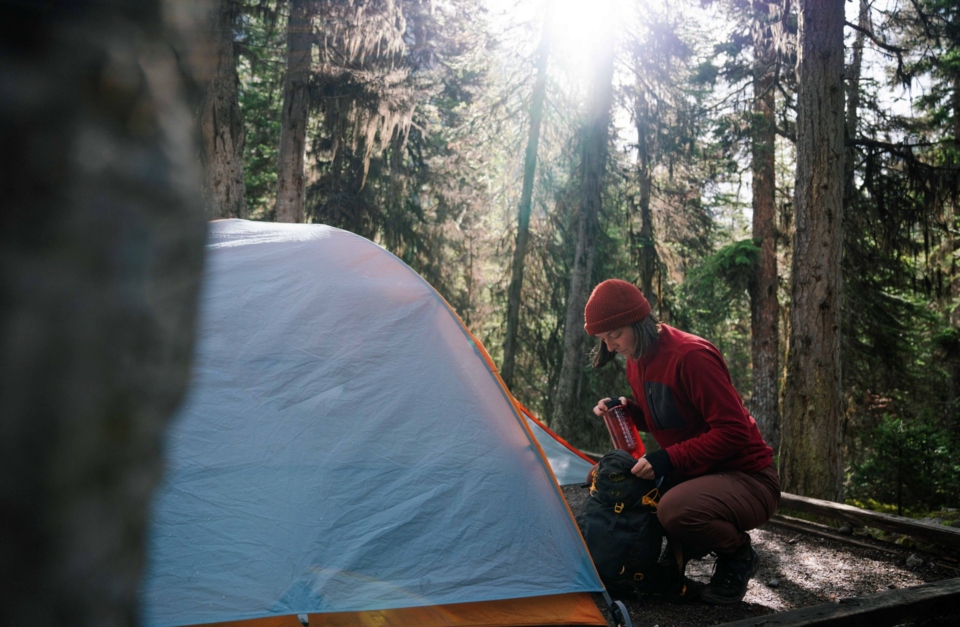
(622, 340)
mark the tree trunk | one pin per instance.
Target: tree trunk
(764, 307)
(853, 102)
(568, 421)
(523, 215)
(811, 441)
(221, 124)
(100, 259)
(953, 394)
(293, 118)
(648, 251)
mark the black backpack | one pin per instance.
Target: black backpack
(619, 524)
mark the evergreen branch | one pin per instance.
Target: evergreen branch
(924, 19)
(888, 47)
(901, 150)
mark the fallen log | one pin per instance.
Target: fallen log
(940, 598)
(937, 534)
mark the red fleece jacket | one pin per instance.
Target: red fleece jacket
(684, 397)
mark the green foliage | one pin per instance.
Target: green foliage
(714, 292)
(713, 303)
(911, 464)
(706, 73)
(875, 505)
(260, 46)
(948, 341)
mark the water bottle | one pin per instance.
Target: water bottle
(622, 430)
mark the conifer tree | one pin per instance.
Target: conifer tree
(523, 213)
(810, 453)
(764, 305)
(593, 138)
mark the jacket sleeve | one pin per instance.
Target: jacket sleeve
(704, 379)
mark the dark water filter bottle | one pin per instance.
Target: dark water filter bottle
(622, 430)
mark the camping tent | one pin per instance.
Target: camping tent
(347, 450)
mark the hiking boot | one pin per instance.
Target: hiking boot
(731, 575)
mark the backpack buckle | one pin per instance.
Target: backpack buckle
(618, 507)
(638, 577)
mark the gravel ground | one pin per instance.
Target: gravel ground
(797, 570)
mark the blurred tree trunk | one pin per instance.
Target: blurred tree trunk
(221, 123)
(100, 259)
(764, 306)
(568, 420)
(293, 118)
(811, 439)
(648, 251)
(523, 214)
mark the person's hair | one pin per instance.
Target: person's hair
(646, 332)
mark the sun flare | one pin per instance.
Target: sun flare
(580, 31)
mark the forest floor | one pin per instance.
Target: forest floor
(797, 570)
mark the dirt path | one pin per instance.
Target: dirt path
(797, 570)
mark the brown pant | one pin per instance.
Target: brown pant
(715, 511)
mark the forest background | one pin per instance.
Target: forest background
(779, 179)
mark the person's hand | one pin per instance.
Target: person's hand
(601, 407)
(643, 469)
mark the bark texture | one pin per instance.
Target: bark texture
(811, 441)
(764, 306)
(568, 420)
(523, 214)
(221, 124)
(291, 184)
(101, 248)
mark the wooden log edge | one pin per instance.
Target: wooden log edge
(939, 598)
(937, 534)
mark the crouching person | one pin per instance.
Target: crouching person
(722, 478)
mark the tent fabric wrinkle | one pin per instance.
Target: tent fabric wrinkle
(346, 448)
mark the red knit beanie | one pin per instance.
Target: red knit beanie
(614, 304)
